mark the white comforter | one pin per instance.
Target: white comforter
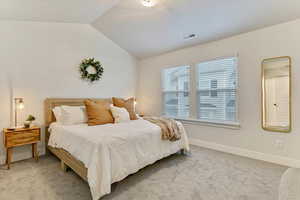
(113, 151)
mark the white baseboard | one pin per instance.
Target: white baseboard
(247, 153)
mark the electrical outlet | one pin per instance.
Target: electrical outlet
(279, 144)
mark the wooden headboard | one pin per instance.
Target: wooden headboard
(50, 103)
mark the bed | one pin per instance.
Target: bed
(105, 154)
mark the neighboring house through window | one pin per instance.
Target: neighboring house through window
(176, 91)
(220, 104)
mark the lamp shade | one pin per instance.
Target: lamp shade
(19, 103)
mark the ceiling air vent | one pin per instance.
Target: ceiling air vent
(190, 37)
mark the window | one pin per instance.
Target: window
(176, 91)
(220, 105)
(213, 96)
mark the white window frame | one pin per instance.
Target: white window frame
(194, 100)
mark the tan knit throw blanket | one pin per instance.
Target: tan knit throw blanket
(169, 127)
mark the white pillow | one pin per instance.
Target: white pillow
(120, 114)
(57, 113)
(73, 115)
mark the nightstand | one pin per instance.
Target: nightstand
(20, 137)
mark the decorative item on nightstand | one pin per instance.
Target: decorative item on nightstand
(29, 121)
(20, 137)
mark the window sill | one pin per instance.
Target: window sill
(229, 125)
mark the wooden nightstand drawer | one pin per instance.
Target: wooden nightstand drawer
(23, 137)
(22, 131)
(22, 140)
(17, 135)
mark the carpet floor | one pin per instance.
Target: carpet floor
(203, 175)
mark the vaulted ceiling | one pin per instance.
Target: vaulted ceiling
(151, 31)
(72, 11)
(145, 32)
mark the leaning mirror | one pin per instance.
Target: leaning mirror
(276, 94)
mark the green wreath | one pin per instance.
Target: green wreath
(91, 70)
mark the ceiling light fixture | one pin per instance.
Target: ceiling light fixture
(148, 3)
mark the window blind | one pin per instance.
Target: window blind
(176, 87)
(216, 90)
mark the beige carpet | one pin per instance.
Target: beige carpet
(205, 175)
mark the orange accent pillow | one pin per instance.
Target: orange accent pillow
(128, 104)
(98, 112)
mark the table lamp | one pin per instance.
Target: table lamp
(19, 105)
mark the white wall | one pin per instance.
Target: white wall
(41, 60)
(252, 47)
